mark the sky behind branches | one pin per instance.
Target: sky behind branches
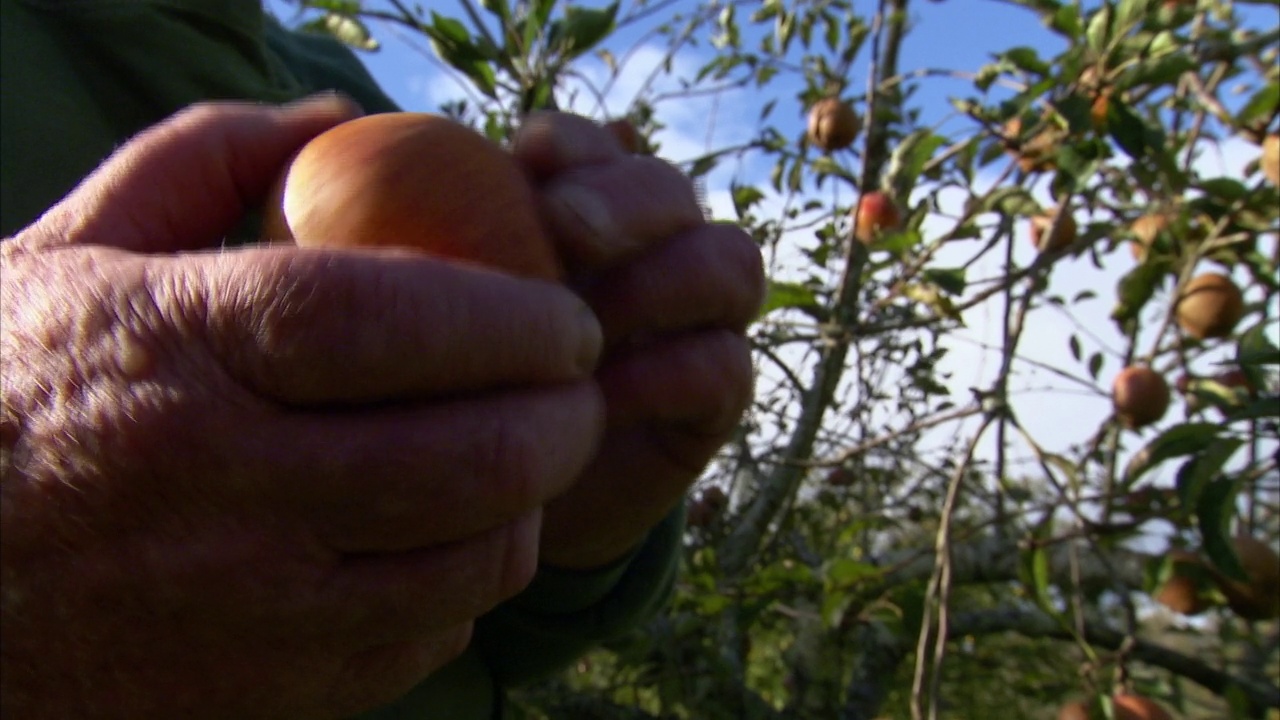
(948, 41)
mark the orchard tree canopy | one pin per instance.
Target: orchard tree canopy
(1015, 433)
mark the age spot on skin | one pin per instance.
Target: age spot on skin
(133, 357)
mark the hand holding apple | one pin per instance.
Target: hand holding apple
(265, 480)
(674, 295)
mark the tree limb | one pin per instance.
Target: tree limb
(1034, 623)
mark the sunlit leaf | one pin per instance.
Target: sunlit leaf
(1214, 512)
(584, 28)
(949, 280)
(1261, 105)
(346, 29)
(1136, 288)
(1177, 441)
(788, 295)
(1196, 474)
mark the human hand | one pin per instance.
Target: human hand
(674, 296)
(262, 482)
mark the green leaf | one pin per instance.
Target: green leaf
(1128, 14)
(1010, 201)
(1026, 59)
(712, 604)
(785, 30)
(1136, 288)
(949, 280)
(1225, 189)
(448, 29)
(1165, 70)
(1264, 408)
(346, 29)
(584, 28)
(1066, 466)
(1033, 566)
(342, 7)
(744, 196)
(1261, 106)
(826, 165)
(480, 73)
(795, 178)
(1214, 512)
(702, 166)
(788, 295)
(845, 572)
(1095, 365)
(498, 8)
(452, 43)
(896, 243)
(1040, 576)
(1196, 474)
(536, 97)
(1066, 21)
(909, 158)
(929, 296)
(832, 34)
(769, 9)
(1127, 129)
(1098, 32)
(1255, 349)
(1177, 441)
(540, 12)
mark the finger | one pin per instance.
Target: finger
(384, 674)
(184, 183)
(388, 597)
(324, 327)
(601, 213)
(695, 384)
(552, 142)
(396, 479)
(711, 276)
(672, 405)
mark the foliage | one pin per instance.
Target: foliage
(933, 511)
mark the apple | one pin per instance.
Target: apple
(833, 124)
(412, 180)
(874, 214)
(1209, 306)
(1046, 241)
(1140, 396)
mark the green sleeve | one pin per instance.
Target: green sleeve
(563, 614)
(321, 63)
(555, 620)
(80, 78)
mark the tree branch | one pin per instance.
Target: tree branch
(1033, 623)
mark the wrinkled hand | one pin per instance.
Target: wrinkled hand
(674, 295)
(264, 482)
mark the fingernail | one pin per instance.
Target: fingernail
(592, 343)
(589, 217)
(327, 102)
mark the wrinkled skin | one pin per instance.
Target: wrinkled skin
(272, 482)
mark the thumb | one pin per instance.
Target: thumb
(182, 184)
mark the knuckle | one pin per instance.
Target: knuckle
(749, 265)
(518, 569)
(726, 364)
(505, 458)
(266, 321)
(384, 674)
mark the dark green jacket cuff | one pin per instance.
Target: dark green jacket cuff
(564, 613)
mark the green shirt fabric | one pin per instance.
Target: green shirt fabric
(78, 77)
